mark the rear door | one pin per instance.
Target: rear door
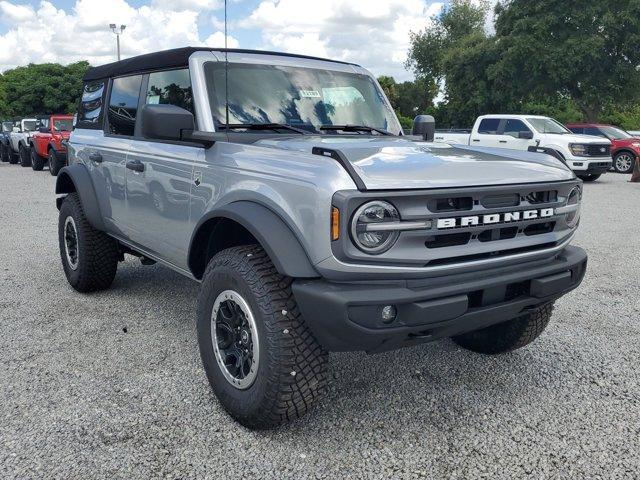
(486, 134)
(159, 175)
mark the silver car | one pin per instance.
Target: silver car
(285, 186)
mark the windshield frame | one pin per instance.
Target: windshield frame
(25, 124)
(563, 130)
(393, 125)
(68, 120)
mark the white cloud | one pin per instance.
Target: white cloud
(216, 40)
(15, 13)
(373, 33)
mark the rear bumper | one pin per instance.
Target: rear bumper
(347, 316)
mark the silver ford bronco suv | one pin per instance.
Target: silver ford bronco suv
(285, 186)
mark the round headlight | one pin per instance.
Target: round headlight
(368, 230)
(574, 198)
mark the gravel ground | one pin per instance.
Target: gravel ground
(109, 385)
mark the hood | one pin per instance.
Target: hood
(624, 142)
(392, 163)
(577, 138)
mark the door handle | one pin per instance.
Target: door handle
(476, 140)
(502, 141)
(135, 165)
(95, 157)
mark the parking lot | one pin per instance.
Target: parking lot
(110, 385)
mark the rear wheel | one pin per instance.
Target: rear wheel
(89, 256)
(37, 162)
(25, 158)
(507, 336)
(261, 360)
(623, 162)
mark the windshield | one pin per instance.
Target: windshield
(29, 125)
(305, 98)
(7, 126)
(63, 124)
(547, 125)
(614, 133)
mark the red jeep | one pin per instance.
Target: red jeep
(625, 148)
(47, 143)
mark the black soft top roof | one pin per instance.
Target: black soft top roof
(175, 58)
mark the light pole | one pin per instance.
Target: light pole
(114, 29)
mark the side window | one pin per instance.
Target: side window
(123, 105)
(171, 87)
(90, 108)
(593, 131)
(514, 126)
(489, 126)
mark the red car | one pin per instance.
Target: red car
(47, 143)
(625, 148)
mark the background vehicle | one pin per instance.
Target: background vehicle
(312, 225)
(47, 144)
(20, 139)
(587, 156)
(625, 148)
(5, 149)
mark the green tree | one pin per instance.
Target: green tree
(41, 89)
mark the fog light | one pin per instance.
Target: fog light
(389, 313)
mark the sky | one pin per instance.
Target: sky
(372, 33)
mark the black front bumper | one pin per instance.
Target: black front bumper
(347, 316)
(596, 168)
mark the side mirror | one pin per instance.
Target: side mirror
(526, 134)
(165, 122)
(16, 129)
(425, 126)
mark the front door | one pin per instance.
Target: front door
(159, 176)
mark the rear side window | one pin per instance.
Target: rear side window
(514, 126)
(489, 126)
(123, 105)
(91, 103)
(576, 129)
(170, 88)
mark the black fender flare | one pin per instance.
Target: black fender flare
(76, 178)
(282, 246)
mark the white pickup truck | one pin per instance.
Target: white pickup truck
(588, 156)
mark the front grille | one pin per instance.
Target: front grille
(599, 150)
(497, 232)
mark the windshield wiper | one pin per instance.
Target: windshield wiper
(355, 128)
(261, 126)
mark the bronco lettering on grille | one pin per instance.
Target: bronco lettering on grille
(493, 218)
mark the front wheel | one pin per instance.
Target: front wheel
(37, 162)
(623, 162)
(55, 163)
(25, 158)
(4, 153)
(261, 360)
(590, 177)
(507, 336)
(89, 256)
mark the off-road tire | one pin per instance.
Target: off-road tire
(97, 252)
(25, 158)
(590, 177)
(55, 163)
(14, 158)
(507, 336)
(619, 157)
(4, 153)
(37, 162)
(292, 365)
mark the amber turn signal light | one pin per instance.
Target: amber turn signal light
(335, 224)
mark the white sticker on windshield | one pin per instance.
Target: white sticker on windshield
(309, 94)
(153, 99)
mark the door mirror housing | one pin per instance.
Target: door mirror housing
(425, 126)
(16, 129)
(166, 122)
(526, 134)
